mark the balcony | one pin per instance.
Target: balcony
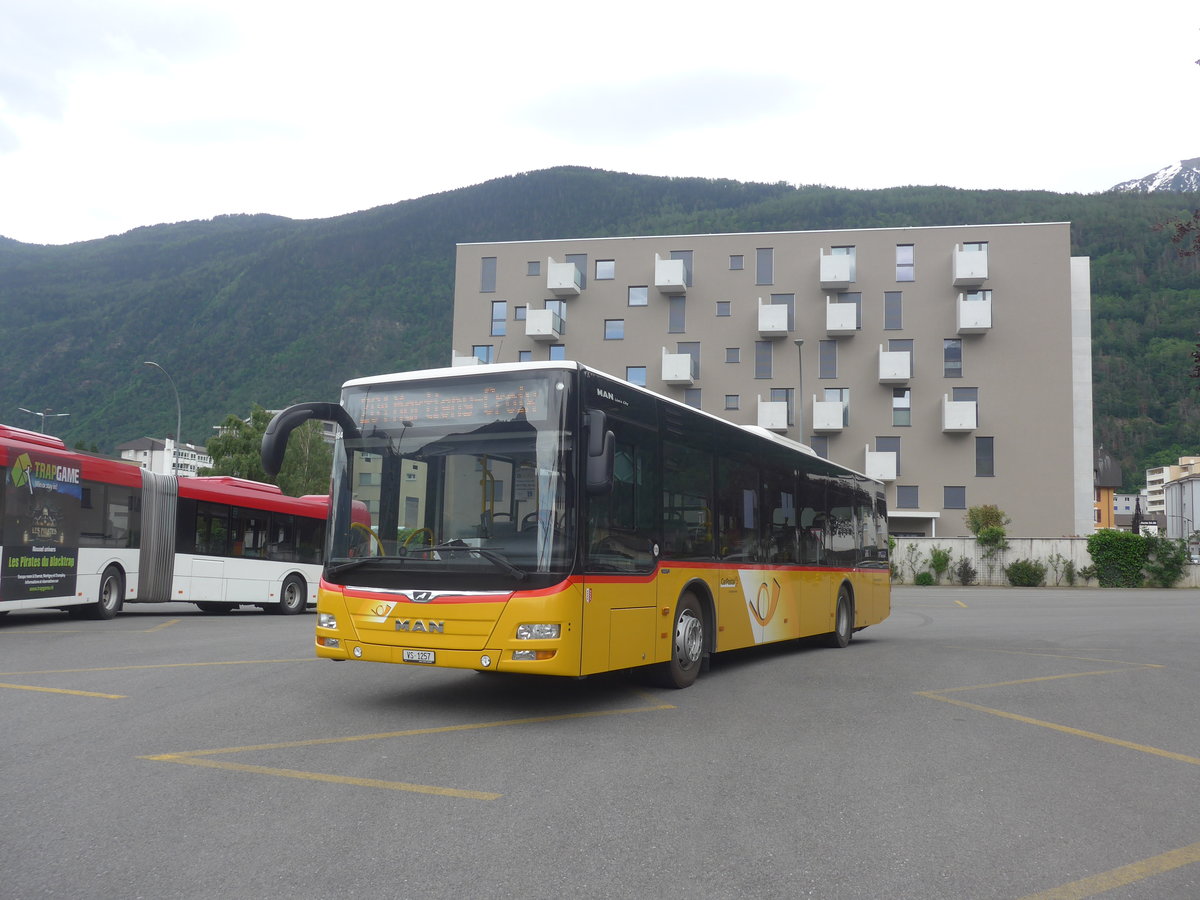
(840, 318)
(835, 272)
(772, 320)
(959, 415)
(895, 366)
(880, 465)
(970, 267)
(563, 279)
(669, 275)
(456, 360)
(828, 415)
(678, 368)
(773, 415)
(544, 325)
(975, 315)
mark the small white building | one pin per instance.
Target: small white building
(165, 457)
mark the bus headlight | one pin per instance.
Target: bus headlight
(326, 620)
(537, 632)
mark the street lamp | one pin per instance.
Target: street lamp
(178, 416)
(42, 415)
(799, 342)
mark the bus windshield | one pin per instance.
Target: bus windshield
(466, 477)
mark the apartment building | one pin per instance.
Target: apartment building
(1169, 494)
(165, 456)
(952, 363)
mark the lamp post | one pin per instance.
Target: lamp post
(178, 416)
(799, 342)
(43, 415)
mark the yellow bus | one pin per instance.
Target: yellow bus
(548, 518)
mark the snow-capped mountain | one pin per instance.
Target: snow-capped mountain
(1179, 179)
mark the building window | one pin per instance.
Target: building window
(827, 359)
(482, 352)
(788, 300)
(524, 356)
(557, 351)
(519, 313)
(952, 358)
(686, 257)
(820, 445)
(785, 395)
(639, 295)
(559, 308)
(847, 251)
(487, 275)
(733, 354)
(762, 359)
(733, 401)
(579, 260)
(889, 445)
(855, 298)
(691, 396)
(692, 349)
(614, 329)
(737, 262)
(954, 497)
(903, 345)
(906, 496)
(533, 267)
(905, 263)
(499, 317)
(964, 394)
(606, 269)
(764, 265)
(676, 313)
(893, 310)
(724, 308)
(842, 396)
(985, 457)
(902, 406)
(636, 375)
(977, 296)
(975, 246)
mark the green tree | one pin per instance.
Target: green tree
(306, 464)
(987, 516)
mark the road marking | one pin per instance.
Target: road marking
(960, 603)
(48, 690)
(1115, 878)
(1123, 662)
(977, 687)
(198, 757)
(161, 625)
(227, 662)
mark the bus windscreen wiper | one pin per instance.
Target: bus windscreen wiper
(347, 564)
(490, 555)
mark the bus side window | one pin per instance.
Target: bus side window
(738, 520)
(622, 524)
(811, 521)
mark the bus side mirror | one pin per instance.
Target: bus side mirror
(275, 438)
(601, 453)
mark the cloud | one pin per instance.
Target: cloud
(648, 110)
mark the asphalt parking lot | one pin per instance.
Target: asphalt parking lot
(981, 743)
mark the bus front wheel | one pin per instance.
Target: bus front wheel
(843, 621)
(112, 593)
(687, 645)
(293, 599)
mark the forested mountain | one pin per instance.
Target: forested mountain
(245, 309)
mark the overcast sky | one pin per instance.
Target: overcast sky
(121, 113)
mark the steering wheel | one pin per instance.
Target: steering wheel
(370, 531)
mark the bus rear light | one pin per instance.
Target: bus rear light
(532, 654)
(537, 632)
(326, 620)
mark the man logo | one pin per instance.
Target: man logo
(422, 596)
(416, 625)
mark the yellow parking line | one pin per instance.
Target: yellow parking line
(161, 625)
(29, 687)
(1119, 877)
(977, 687)
(194, 757)
(960, 603)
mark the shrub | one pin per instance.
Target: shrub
(925, 579)
(964, 572)
(1166, 560)
(939, 562)
(1118, 557)
(1026, 573)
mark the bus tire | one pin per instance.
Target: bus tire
(112, 595)
(687, 645)
(293, 599)
(843, 620)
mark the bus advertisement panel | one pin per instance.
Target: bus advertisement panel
(547, 518)
(41, 529)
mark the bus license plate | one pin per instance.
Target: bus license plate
(418, 656)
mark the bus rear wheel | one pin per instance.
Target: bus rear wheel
(687, 645)
(112, 594)
(293, 599)
(843, 620)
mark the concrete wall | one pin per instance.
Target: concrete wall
(1040, 550)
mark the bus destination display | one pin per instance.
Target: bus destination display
(464, 404)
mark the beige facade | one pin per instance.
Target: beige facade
(952, 363)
